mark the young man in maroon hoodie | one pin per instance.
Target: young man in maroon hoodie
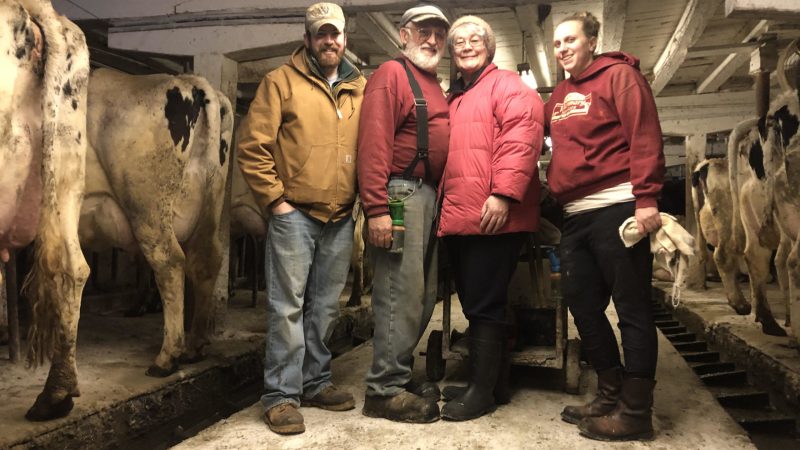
(607, 165)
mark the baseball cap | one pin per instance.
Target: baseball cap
(423, 12)
(320, 14)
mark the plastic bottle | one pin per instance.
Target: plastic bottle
(396, 208)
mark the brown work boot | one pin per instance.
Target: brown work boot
(425, 389)
(632, 419)
(609, 384)
(403, 407)
(285, 419)
(331, 398)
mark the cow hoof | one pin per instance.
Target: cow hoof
(160, 372)
(773, 329)
(41, 410)
(743, 309)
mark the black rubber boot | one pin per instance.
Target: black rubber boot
(609, 385)
(502, 389)
(486, 344)
(632, 419)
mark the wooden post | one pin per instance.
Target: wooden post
(696, 272)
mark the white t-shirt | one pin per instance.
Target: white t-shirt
(616, 194)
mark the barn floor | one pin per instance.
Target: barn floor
(113, 353)
(686, 415)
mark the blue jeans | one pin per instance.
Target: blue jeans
(306, 269)
(403, 296)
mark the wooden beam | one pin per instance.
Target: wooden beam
(239, 42)
(720, 73)
(763, 9)
(535, 43)
(614, 15)
(692, 24)
(381, 30)
(696, 272)
(684, 127)
(721, 50)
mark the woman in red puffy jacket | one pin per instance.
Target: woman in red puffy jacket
(491, 198)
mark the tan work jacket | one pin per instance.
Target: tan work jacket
(298, 140)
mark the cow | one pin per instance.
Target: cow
(156, 171)
(43, 140)
(780, 136)
(731, 210)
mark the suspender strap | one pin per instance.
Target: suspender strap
(422, 125)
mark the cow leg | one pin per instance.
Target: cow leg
(64, 297)
(758, 265)
(781, 261)
(793, 275)
(166, 258)
(203, 263)
(728, 271)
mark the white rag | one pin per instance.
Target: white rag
(671, 244)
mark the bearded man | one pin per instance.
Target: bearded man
(297, 151)
(391, 166)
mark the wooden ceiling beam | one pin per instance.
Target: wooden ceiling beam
(536, 47)
(381, 30)
(763, 9)
(614, 15)
(720, 73)
(691, 25)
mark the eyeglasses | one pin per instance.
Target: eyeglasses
(425, 33)
(474, 42)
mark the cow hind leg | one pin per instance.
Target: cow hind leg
(781, 260)
(758, 266)
(203, 263)
(728, 271)
(56, 303)
(166, 258)
(793, 271)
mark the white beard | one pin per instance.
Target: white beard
(421, 60)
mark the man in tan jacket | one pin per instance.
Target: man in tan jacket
(297, 151)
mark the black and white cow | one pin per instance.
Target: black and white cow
(44, 70)
(156, 171)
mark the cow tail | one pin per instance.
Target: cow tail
(698, 200)
(739, 132)
(55, 279)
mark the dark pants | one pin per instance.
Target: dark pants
(596, 266)
(482, 268)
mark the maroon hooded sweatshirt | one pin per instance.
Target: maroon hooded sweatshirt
(605, 131)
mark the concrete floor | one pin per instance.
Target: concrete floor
(686, 415)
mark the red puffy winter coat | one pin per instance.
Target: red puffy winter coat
(496, 131)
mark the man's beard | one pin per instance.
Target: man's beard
(327, 60)
(420, 59)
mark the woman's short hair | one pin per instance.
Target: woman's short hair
(480, 27)
(591, 26)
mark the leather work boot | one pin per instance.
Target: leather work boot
(486, 344)
(285, 419)
(609, 384)
(632, 419)
(331, 398)
(403, 407)
(426, 389)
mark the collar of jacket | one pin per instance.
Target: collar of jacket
(459, 87)
(306, 64)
